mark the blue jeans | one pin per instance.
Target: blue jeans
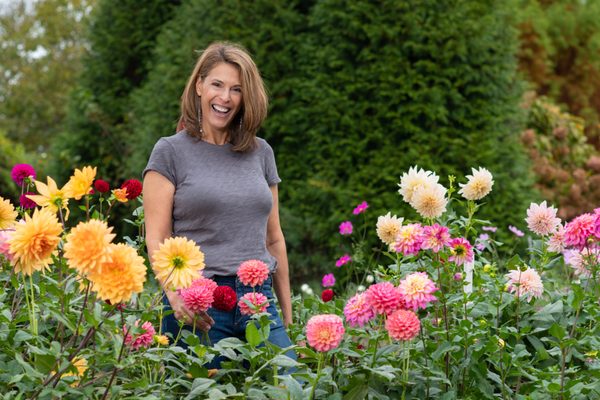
(233, 323)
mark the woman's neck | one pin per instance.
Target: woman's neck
(215, 136)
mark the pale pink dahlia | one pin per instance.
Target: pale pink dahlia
(542, 219)
(582, 260)
(527, 284)
(403, 325)
(556, 242)
(345, 259)
(253, 272)
(5, 235)
(258, 303)
(358, 310)
(435, 237)
(579, 230)
(416, 290)
(409, 239)
(324, 332)
(384, 297)
(144, 339)
(462, 251)
(200, 295)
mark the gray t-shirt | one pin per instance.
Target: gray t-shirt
(222, 199)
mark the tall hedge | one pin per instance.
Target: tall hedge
(359, 92)
(122, 36)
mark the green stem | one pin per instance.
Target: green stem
(314, 387)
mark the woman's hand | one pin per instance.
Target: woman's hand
(203, 321)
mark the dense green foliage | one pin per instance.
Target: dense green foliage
(358, 92)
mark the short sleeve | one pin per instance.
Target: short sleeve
(271, 174)
(162, 160)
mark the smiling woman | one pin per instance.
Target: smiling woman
(215, 183)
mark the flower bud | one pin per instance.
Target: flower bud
(370, 279)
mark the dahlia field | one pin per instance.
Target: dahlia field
(439, 309)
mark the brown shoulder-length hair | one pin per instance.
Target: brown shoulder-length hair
(255, 102)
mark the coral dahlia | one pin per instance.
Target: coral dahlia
(324, 332)
(253, 303)
(144, 339)
(384, 297)
(403, 325)
(200, 295)
(253, 272)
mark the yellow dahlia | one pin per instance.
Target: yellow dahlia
(8, 214)
(122, 274)
(177, 262)
(161, 340)
(86, 245)
(80, 182)
(80, 364)
(50, 196)
(34, 241)
(120, 195)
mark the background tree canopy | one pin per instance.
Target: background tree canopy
(359, 92)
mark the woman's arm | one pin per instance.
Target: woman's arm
(276, 246)
(158, 210)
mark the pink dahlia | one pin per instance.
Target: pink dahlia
(462, 251)
(346, 228)
(225, 298)
(324, 332)
(416, 290)
(435, 237)
(527, 284)
(579, 230)
(542, 219)
(403, 325)
(200, 295)
(253, 272)
(328, 280)
(144, 339)
(343, 260)
(358, 310)
(384, 297)
(582, 260)
(515, 231)
(20, 172)
(258, 303)
(556, 242)
(5, 235)
(597, 222)
(26, 202)
(360, 208)
(409, 239)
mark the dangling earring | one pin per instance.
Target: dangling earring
(241, 123)
(199, 116)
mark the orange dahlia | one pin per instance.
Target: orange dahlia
(177, 262)
(8, 215)
(86, 246)
(80, 182)
(34, 241)
(122, 274)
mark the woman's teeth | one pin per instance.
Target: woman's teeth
(220, 109)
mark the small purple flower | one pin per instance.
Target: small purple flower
(346, 228)
(25, 202)
(482, 241)
(515, 230)
(360, 208)
(345, 259)
(489, 228)
(20, 172)
(458, 276)
(328, 280)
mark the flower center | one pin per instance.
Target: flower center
(178, 262)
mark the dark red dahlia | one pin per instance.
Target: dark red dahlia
(225, 298)
(327, 295)
(101, 185)
(26, 202)
(134, 188)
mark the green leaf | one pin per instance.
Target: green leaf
(557, 331)
(284, 361)
(252, 335)
(359, 392)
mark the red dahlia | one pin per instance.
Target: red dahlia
(225, 298)
(327, 295)
(134, 188)
(101, 185)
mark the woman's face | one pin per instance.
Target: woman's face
(220, 97)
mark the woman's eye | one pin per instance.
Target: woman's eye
(239, 90)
